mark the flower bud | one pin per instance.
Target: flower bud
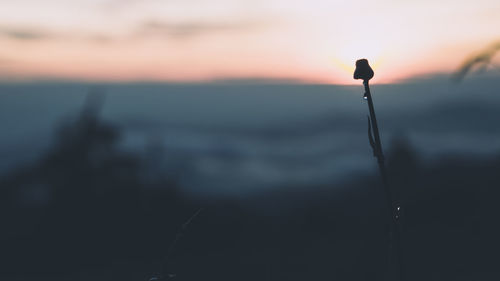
(363, 70)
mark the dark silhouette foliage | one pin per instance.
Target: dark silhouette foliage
(480, 60)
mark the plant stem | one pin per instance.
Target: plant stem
(392, 207)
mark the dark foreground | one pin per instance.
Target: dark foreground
(89, 210)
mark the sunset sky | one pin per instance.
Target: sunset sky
(202, 40)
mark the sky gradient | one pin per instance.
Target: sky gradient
(201, 40)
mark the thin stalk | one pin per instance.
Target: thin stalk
(378, 146)
(392, 208)
(166, 263)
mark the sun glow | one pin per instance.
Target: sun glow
(344, 58)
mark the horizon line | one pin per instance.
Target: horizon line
(216, 81)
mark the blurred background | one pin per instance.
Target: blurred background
(122, 120)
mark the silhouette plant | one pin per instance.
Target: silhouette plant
(165, 272)
(365, 72)
(481, 60)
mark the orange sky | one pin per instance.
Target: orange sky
(312, 41)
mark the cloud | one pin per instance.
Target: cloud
(149, 28)
(99, 38)
(114, 5)
(193, 29)
(23, 33)
(34, 34)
